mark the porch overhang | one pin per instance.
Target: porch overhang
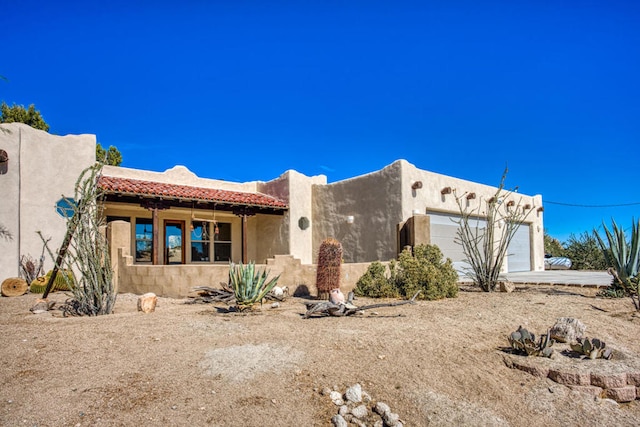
(149, 193)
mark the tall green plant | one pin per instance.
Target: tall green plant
(249, 286)
(623, 257)
(485, 248)
(87, 257)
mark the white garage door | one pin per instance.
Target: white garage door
(444, 234)
(519, 251)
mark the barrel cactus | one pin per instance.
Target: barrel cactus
(524, 342)
(63, 282)
(329, 264)
(592, 348)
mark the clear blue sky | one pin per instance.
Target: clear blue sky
(245, 90)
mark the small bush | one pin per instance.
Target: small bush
(584, 252)
(423, 271)
(375, 284)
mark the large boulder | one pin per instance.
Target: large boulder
(567, 329)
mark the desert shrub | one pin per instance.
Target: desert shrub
(424, 270)
(375, 284)
(584, 252)
(552, 246)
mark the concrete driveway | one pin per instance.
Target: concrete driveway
(562, 277)
(558, 277)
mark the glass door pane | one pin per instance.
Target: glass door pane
(174, 250)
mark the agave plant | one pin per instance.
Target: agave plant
(592, 348)
(249, 286)
(624, 258)
(524, 341)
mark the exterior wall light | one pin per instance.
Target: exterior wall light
(417, 211)
(527, 206)
(510, 203)
(471, 196)
(445, 190)
(350, 219)
(540, 209)
(416, 185)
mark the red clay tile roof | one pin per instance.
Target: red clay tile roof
(126, 186)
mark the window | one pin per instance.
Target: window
(144, 239)
(222, 241)
(200, 241)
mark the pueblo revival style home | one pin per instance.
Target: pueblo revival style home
(171, 231)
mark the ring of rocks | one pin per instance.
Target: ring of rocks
(617, 379)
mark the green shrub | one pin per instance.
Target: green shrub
(375, 284)
(424, 271)
(584, 252)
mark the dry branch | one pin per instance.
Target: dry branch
(327, 308)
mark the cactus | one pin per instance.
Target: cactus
(592, 348)
(61, 283)
(329, 264)
(524, 341)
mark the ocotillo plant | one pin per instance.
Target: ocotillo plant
(329, 261)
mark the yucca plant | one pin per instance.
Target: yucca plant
(249, 286)
(623, 257)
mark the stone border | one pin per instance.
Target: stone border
(621, 387)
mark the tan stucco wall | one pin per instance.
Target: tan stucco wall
(429, 198)
(374, 202)
(296, 190)
(42, 168)
(178, 281)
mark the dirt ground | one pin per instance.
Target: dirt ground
(435, 363)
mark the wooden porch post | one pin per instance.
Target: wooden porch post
(244, 238)
(155, 253)
(244, 213)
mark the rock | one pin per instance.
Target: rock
(354, 394)
(338, 421)
(326, 391)
(360, 412)
(365, 397)
(391, 419)
(336, 398)
(41, 306)
(567, 329)
(570, 378)
(506, 286)
(608, 380)
(14, 287)
(147, 302)
(275, 305)
(381, 408)
(344, 410)
(378, 423)
(622, 394)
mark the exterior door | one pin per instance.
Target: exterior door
(173, 242)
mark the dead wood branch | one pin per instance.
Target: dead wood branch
(327, 308)
(207, 294)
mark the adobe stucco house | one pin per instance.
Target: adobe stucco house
(172, 231)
